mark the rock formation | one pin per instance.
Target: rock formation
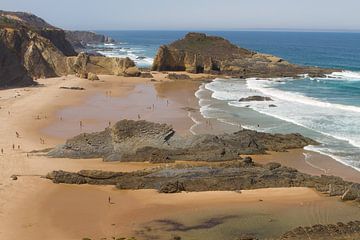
(199, 53)
(339, 231)
(131, 140)
(30, 48)
(79, 39)
(226, 176)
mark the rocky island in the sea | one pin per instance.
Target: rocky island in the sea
(30, 48)
(200, 53)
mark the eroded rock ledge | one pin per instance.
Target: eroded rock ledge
(199, 53)
(227, 176)
(130, 140)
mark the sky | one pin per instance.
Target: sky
(194, 14)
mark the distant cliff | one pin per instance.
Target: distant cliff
(199, 53)
(79, 39)
(30, 48)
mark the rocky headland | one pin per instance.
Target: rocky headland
(30, 48)
(130, 140)
(199, 53)
(79, 39)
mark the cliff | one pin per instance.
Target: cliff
(79, 39)
(30, 48)
(199, 53)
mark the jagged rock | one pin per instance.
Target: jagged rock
(273, 165)
(131, 140)
(272, 105)
(14, 177)
(229, 176)
(172, 187)
(339, 231)
(92, 76)
(352, 193)
(199, 53)
(255, 98)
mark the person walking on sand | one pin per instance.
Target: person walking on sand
(139, 116)
(81, 124)
(17, 134)
(109, 200)
(13, 146)
(2, 151)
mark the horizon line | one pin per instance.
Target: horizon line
(233, 30)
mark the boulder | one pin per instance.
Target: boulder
(92, 76)
(174, 76)
(132, 72)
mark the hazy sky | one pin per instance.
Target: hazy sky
(193, 14)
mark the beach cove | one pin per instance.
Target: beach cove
(23, 201)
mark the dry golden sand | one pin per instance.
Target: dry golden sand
(34, 208)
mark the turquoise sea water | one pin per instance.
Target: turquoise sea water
(326, 109)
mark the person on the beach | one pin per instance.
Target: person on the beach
(17, 134)
(13, 146)
(81, 124)
(2, 151)
(109, 199)
(139, 116)
(18, 146)
(109, 123)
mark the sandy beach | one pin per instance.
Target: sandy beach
(44, 116)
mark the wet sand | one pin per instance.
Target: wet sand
(37, 209)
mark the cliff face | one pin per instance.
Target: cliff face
(199, 53)
(79, 39)
(30, 48)
(83, 64)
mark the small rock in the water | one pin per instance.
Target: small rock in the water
(272, 105)
(255, 98)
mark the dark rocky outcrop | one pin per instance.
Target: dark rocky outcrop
(131, 140)
(199, 53)
(30, 48)
(339, 231)
(255, 98)
(227, 176)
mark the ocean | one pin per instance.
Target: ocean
(325, 109)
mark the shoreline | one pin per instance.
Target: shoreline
(30, 205)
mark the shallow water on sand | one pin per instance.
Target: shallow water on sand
(104, 109)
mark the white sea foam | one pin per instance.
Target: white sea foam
(336, 125)
(345, 75)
